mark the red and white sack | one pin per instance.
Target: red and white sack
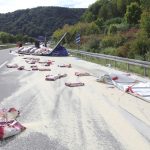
(55, 77)
(8, 115)
(67, 66)
(74, 84)
(44, 69)
(8, 129)
(11, 65)
(51, 77)
(82, 74)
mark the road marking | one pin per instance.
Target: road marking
(3, 64)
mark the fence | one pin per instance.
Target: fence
(143, 64)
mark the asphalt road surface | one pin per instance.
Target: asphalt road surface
(93, 117)
(5, 88)
(4, 56)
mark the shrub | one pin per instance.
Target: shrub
(107, 42)
(94, 44)
(130, 34)
(141, 46)
(122, 26)
(92, 28)
(123, 51)
(145, 22)
(4, 37)
(109, 51)
(100, 23)
(113, 21)
(112, 29)
(112, 41)
(133, 13)
(147, 56)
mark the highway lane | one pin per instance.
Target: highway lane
(8, 82)
(5, 56)
(92, 117)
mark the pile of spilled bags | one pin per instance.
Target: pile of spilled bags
(32, 61)
(9, 126)
(33, 50)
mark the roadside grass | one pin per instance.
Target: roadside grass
(117, 65)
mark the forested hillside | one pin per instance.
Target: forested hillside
(38, 21)
(115, 27)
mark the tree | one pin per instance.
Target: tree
(133, 13)
(89, 17)
(141, 46)
(106, 11)
(4, 37)
(92, 28)
(145, 4)
(121, 6)
(100, 23)
(145, 22)
(19, 37)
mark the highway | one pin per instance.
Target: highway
(92, 117)
(5, 88)
(4, 57)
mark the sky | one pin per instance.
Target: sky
(12, 5)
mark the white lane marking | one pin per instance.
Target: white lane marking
(3, 64)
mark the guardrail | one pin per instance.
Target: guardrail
(143, 64)
(2, 46)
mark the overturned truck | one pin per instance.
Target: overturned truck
(58, 50)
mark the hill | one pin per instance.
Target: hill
(38, 21)
(114, 27)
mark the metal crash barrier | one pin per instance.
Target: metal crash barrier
(144, 64)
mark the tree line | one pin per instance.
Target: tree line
(10, 38)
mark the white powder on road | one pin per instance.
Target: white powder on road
(87, 117)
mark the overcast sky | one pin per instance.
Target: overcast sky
(12, 5)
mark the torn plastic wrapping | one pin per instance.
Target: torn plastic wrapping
(105, 79)
(128, 84)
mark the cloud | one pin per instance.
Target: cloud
(12, 5)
